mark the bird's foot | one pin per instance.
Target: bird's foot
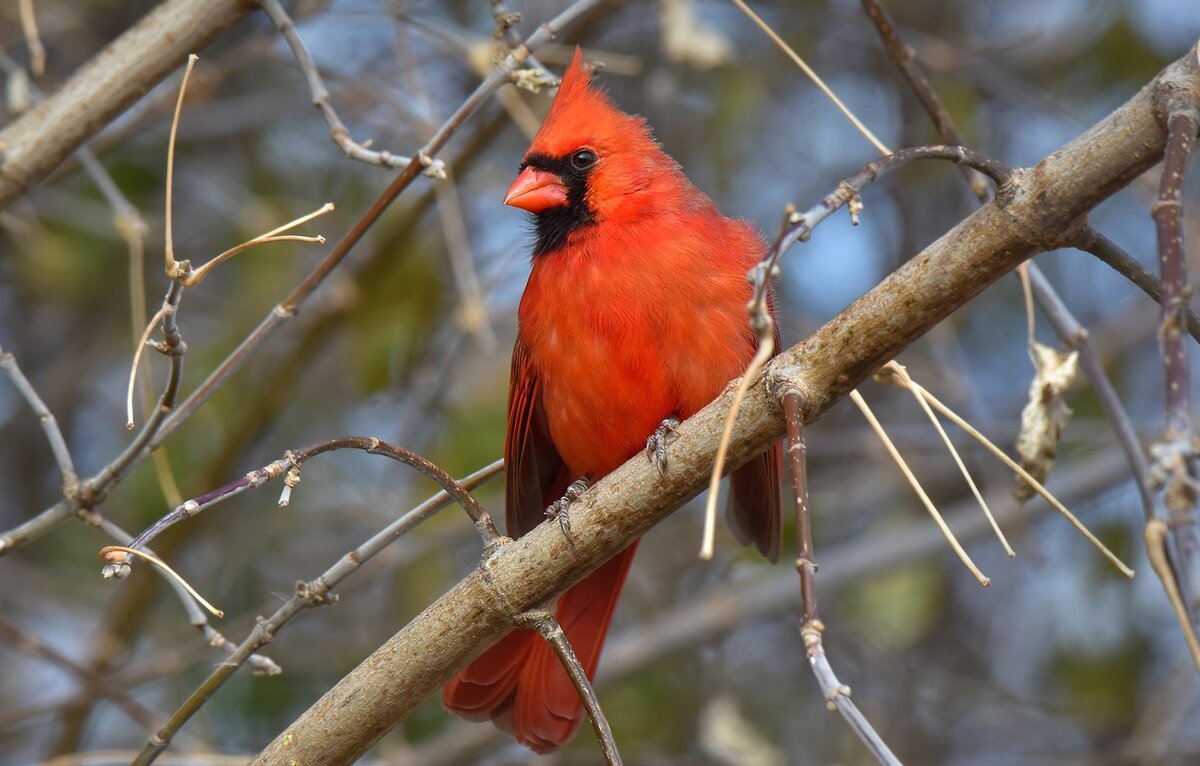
(656, 445)
(558, 509)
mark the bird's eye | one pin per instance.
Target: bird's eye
(583, 159)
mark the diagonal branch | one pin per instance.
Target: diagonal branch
(105, 86)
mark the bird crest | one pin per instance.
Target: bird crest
(583, 115)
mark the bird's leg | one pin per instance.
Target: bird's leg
(656, 445)
(558, 509)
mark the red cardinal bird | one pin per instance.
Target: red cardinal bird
(634, 314)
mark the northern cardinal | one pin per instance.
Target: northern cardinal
(634, 314)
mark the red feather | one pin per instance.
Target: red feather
(634, 312)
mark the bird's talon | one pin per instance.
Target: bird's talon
(656, 444)
(558, 509)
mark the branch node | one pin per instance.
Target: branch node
(315, 593)
(289, 483)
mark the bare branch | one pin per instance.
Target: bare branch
(307, 596)
(812, 75)
(321, 99)
(1178, 454)
(43, 137)
(1095, 243)
(543, 621)
(837, 695)
(58, 445)
(292, 461)
(898, 459)
(33, 41)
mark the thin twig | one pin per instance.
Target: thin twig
(261, 664)
(173, 266)
(33, 41)
(1155, 536)
(1093, 242)
(193, 277)
(808, 71)
(837, 694)
(885, 375)
(766, 349)
(58, 445)
(137, 358)
(543, 621)
(903, 57)
(292, 462)
(916, 485)
(108, 552)
(321, 99)
(308, 595)
(907, 382)
(797, 452)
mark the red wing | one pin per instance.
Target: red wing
(754, 508)
(535, 469)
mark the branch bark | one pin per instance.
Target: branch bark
(36, 143)
(1037, 210)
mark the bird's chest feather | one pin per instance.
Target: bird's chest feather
(623, 339)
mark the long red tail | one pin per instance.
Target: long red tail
(519, 683)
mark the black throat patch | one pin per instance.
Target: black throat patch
(553, 225)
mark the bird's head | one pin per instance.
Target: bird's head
(589, 163)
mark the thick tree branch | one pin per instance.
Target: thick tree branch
(1038, 209)
(34, 145)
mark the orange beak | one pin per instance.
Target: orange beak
(536, 190)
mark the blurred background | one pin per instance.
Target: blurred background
(1060, 661)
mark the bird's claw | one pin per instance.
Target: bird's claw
(558, 509)
(656, 444)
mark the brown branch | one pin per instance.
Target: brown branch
(54, 436)
(837, 695)
(798, 227)
(291, 463)
(1032, 212)
(1093, 242)
(1178, 455)
(38, 142)
(323, 101)
(1182, 120)
(905, 59)
(544, 622)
